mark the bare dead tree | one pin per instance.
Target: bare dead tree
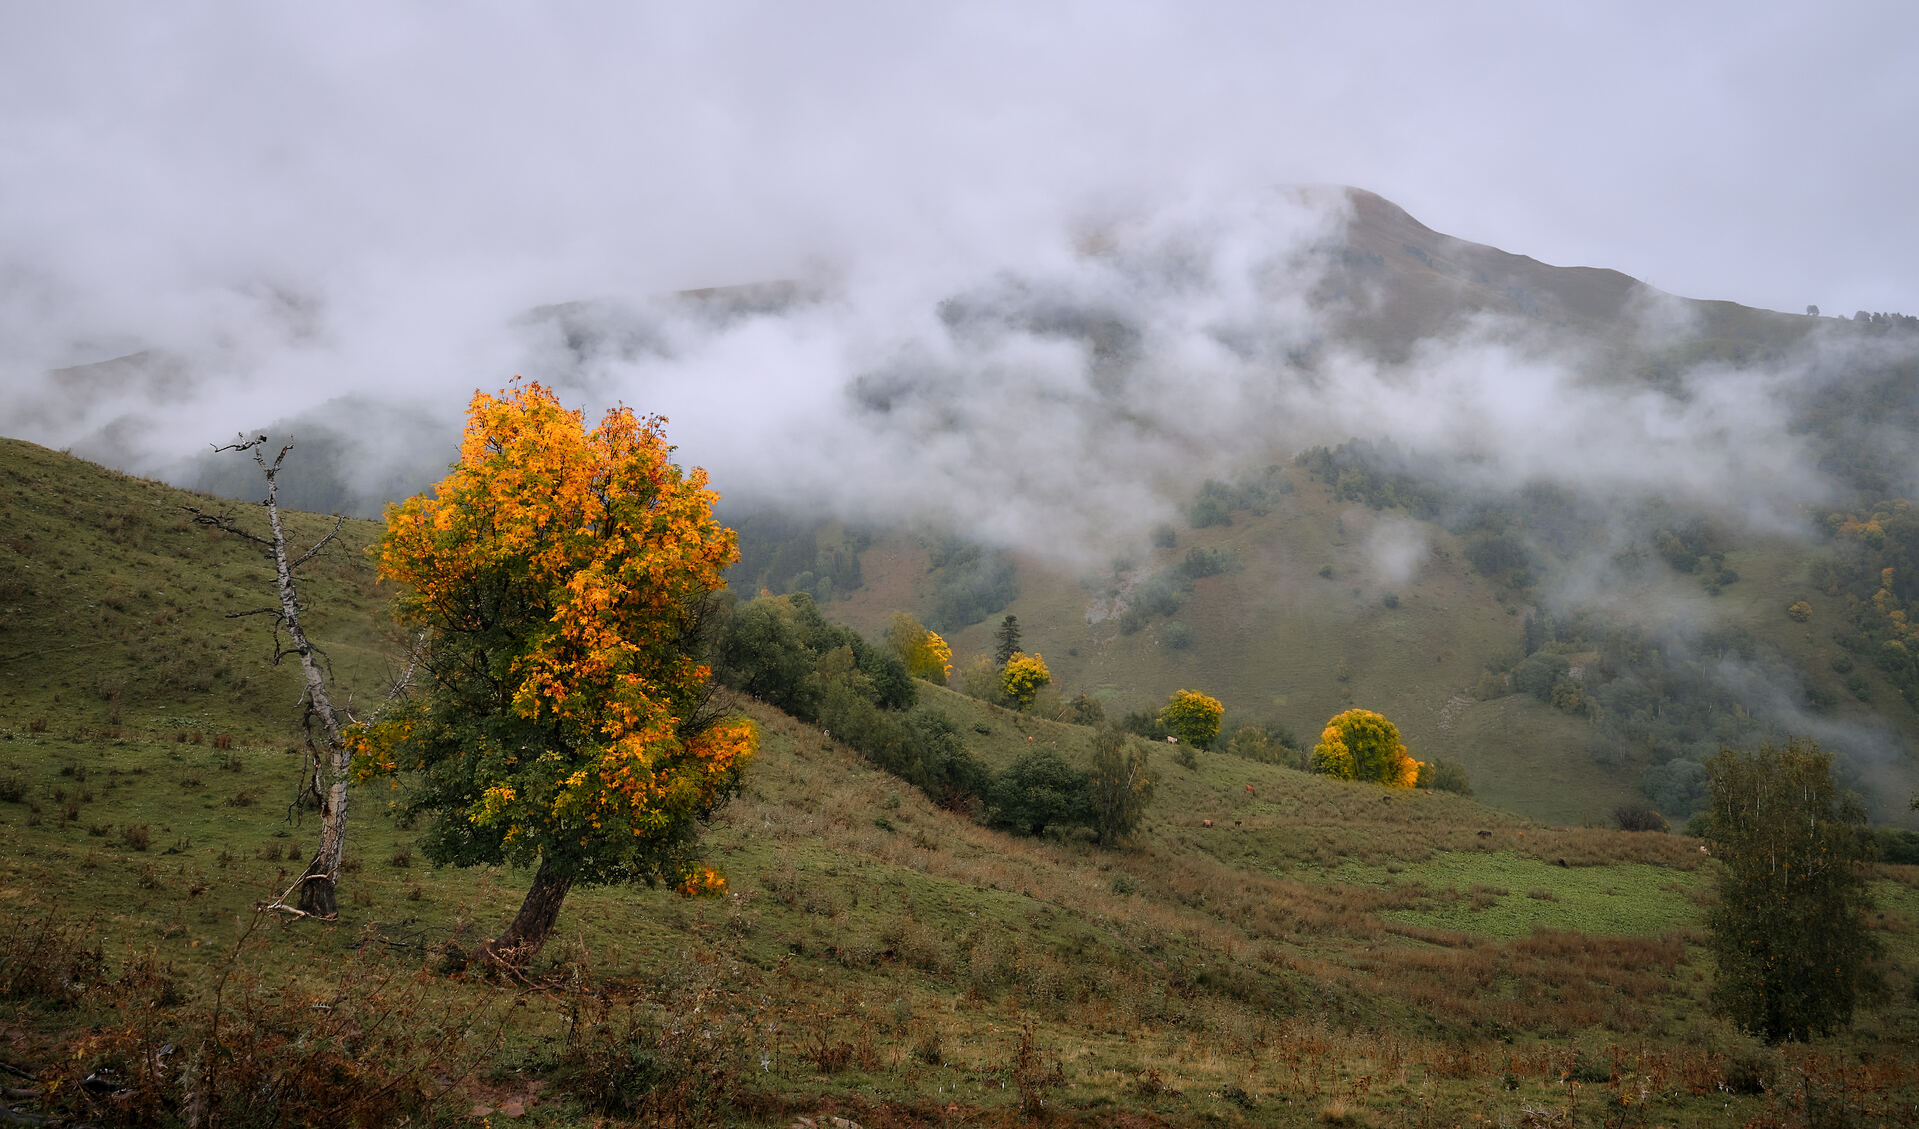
(324, 780)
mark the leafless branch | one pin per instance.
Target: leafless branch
(324, 778)
(225, 524)
(241, 444)
(255, 611)
(338, 521)
(397, 690)
(280, 903)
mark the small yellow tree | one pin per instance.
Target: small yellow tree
(925, 654)
(1363, 745)
(1022, 676)
(1192, 717)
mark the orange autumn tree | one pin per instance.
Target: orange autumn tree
(558, 579)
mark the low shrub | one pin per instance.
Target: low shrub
(51, 961)
(1639, 817)
(669, 1058)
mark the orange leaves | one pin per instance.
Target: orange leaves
(604, 534)
(371, 753)
(702, 882)
(558, 573)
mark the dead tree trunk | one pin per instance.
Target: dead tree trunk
(329, 760)
(325, 779)
(527, 934)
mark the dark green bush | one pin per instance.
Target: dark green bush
(1040, 790)
(1896, 846)
(1639, 817)
(1444, 776)
(1539, 673)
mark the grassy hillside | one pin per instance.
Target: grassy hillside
(1307, 616)
(1398, 280)
(1304, 622)
(1320, 954)
(115, 606)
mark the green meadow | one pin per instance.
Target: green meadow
(1320, 954)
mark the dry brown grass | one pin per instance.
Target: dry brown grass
(1274, 941)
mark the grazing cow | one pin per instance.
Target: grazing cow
(1249, 790)
(1205, 823)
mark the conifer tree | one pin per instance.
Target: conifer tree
(1006, 641)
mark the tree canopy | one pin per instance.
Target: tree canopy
(1192, 717)
(1119, 786)
(1789, 930)
(1038, 791)
(925, 654)
(1363, 745)
(558, 579)
(1021, 678)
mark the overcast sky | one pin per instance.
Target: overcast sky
(405, 172)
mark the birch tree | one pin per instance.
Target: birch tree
(1789, 930)
(325, 723)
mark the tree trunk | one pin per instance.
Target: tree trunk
(318, 894)
(329, 757)
(527, 934)
(331, 762)
(318, 886)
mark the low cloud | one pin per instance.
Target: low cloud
(1395, 549)
(1061, 398)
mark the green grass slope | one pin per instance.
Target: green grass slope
(1306, 624)
(115, 607)
(1321, 953)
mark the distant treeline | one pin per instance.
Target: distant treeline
(1514, 538)
(971, 582)
(1662, 701)
(781, 554)
(1874, 567)
(1859, 409)
(1665, 701)
(780, 649)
